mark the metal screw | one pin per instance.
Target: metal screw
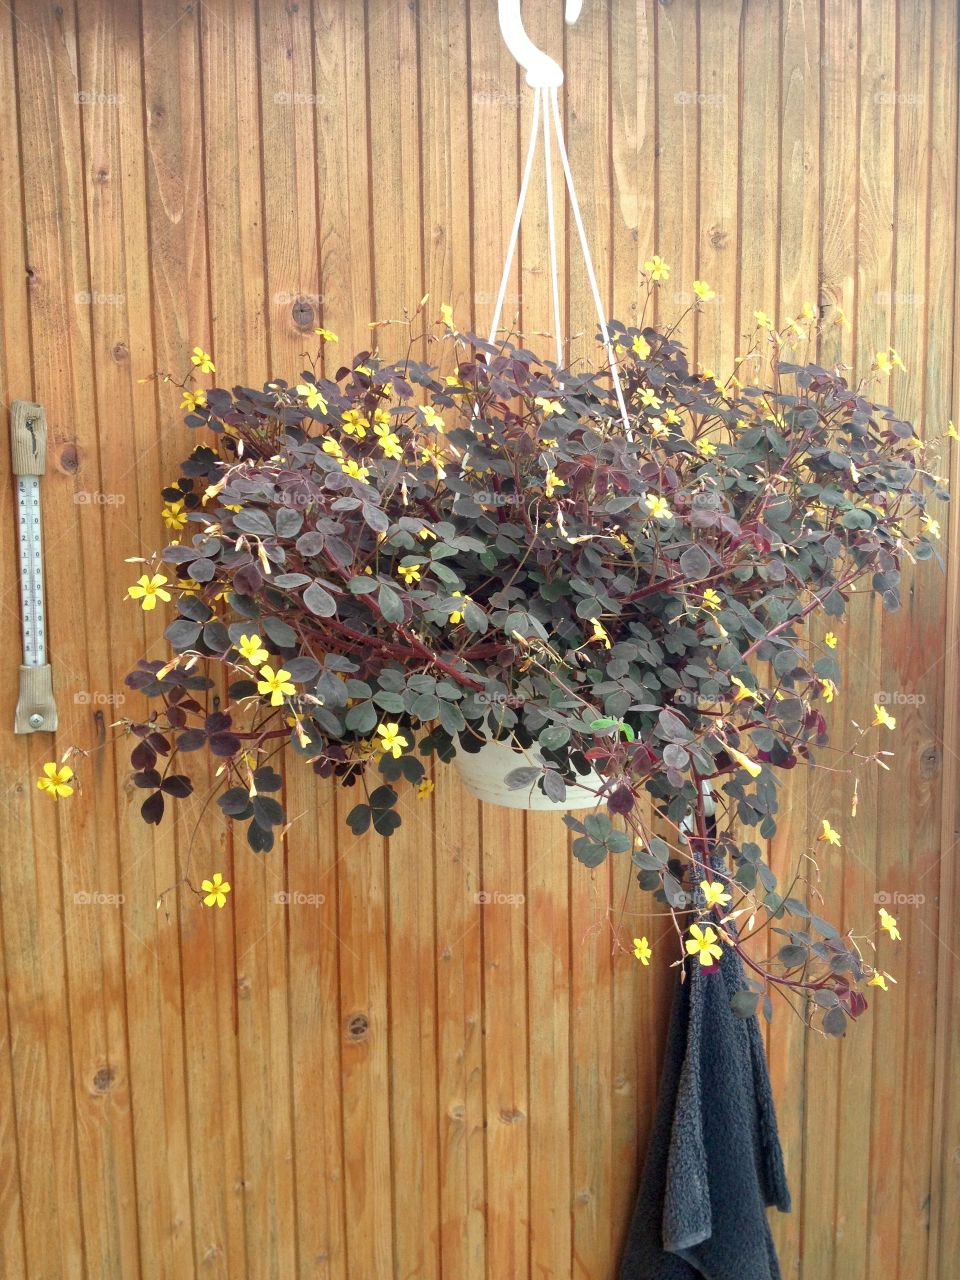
(36, 720)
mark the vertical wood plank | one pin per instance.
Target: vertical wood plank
(460, 1085)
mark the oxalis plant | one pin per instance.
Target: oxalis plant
(377, 567)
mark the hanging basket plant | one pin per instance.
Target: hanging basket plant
(395, 563)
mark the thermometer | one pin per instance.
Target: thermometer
(36, 710)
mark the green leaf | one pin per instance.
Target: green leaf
(744, 1003)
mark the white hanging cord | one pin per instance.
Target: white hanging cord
(552, 235)
(515, 230)
(588, 263)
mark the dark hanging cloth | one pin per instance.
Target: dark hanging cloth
(714, 1162)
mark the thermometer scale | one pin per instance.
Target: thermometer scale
(36, 711)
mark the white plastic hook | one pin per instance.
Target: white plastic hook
(542, 71)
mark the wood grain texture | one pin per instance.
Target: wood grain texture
(436, 1059)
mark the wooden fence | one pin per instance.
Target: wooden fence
(381, 1077)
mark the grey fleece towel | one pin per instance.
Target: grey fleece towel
(714, 1162)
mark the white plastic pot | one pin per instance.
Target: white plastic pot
(484, 772)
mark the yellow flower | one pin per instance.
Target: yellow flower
(830, 640)
(703, 291)
(763, 320)
(672, 417)
(425, 789)
(745, 762)
(326, 335)
(436, 458)
(426, 534)
(409, 573)
(333, 447)
(703, 944)
(391, 743)
(276, 683)
(711, 599)
(649, 398)
(174, 516)
(600, 633)
(431, 417)
(827, 833)
(706, 448)
(456, 615)
(714, 894)
(446, 314)
(642, 950)
(149, 591)
(840, 317)
(930, 525)
(640, 347)
(951, 432)
(657, 429)
(808, 312)
(56, 782)
(548, 407)
(888, 923)
(389, 441)
(312, 396)
(883, 718)
(193, 400)
(879, 980)
(202, 360)
(355, 424)
(656, 268)
(658, 507)
(828, 689)
(354, 470)
(743, 691)
(552, 482)
(216, 891)
(251, 648)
